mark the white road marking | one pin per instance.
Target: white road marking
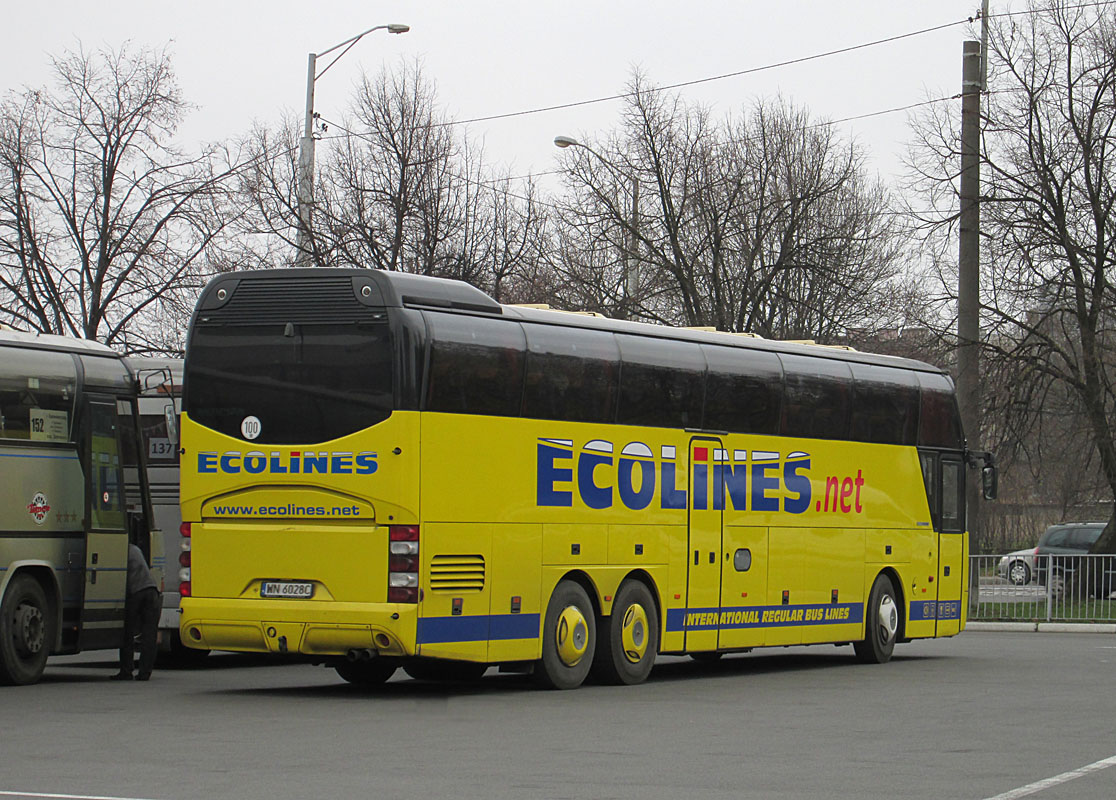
(54, 796)
(1046, 783)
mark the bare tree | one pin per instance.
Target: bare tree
(104, 225)
(1048, 231)
(398, 188)
(767, 223)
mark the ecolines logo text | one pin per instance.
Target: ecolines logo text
(232, 462)
(760, 480)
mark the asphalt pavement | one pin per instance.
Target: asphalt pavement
(982, 715)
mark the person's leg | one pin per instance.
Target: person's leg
(128, 645)
(148, 632)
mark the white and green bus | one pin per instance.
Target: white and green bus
(70, 503)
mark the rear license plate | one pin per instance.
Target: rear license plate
(289, 590)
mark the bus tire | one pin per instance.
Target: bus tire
(627, 655)
(569, 638)
(366, 673)
(26, 631)
(439, 671)
(881, 626)
(179, 655)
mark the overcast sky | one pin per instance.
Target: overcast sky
(240, 62)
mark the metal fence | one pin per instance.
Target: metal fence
(1036, 588)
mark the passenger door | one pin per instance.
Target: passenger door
(706, 503)
(951, 544)
(106, 534)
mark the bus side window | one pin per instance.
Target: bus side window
(953, 496)
(929, 462)
(939, 423)
(885, 405)
(37, 390)
(817, 397)
(662, 382)
(572, 374)
(476, 365)
(106, 485)
(743, 390)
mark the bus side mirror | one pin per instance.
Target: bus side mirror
(990, 481)
(172, 424)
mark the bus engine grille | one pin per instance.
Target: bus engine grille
(457, 573)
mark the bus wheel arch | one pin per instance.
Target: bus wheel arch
(28, 625)
(628, 639)
(883, 620)
(569, 633)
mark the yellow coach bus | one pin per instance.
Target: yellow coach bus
(383, 470)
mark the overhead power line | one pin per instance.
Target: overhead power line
(724, 76)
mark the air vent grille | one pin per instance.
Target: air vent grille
(289, 298)
(457, 573)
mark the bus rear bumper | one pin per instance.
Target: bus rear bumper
(295, 626)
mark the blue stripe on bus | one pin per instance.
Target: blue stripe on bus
(29, 455)
(936, 609)
(730, 617)
(438, 630)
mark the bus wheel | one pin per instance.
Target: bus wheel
(881, 625)
(179, 655)
(366, 673)
(633, 637)
(445, 671)
(569, 638)
(25, 631)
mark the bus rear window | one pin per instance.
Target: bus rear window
(305, 383)
(156, 442)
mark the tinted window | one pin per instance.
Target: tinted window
(816, 397)
(306, 383)
(106, 374)
(1055, 537)
(106, 484)
(743, 390)
(476, 365)
(929, 463)
(885, 405)
(939, 420)
(36, 395)
(572, 374)
(661, 382)
(1084, 538)
(953, 496)
(157, 445)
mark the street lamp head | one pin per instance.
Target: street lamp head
(397, 28)
(566, 141)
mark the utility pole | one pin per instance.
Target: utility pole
(968, 272)
(303, 243)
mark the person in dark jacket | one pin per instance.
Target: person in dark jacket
(141, 618)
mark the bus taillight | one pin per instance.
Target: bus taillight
(403, 563)
(184, 588)
(184, 529)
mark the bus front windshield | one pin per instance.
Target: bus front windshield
(305, 383)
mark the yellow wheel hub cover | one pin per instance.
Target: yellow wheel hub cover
(633, 633)
(572, 636)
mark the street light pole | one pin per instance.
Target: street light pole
(631, 261)
(305, 186)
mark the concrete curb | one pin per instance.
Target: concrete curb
(1042, 627)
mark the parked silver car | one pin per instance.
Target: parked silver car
(1018, 566)
(1068, 538)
